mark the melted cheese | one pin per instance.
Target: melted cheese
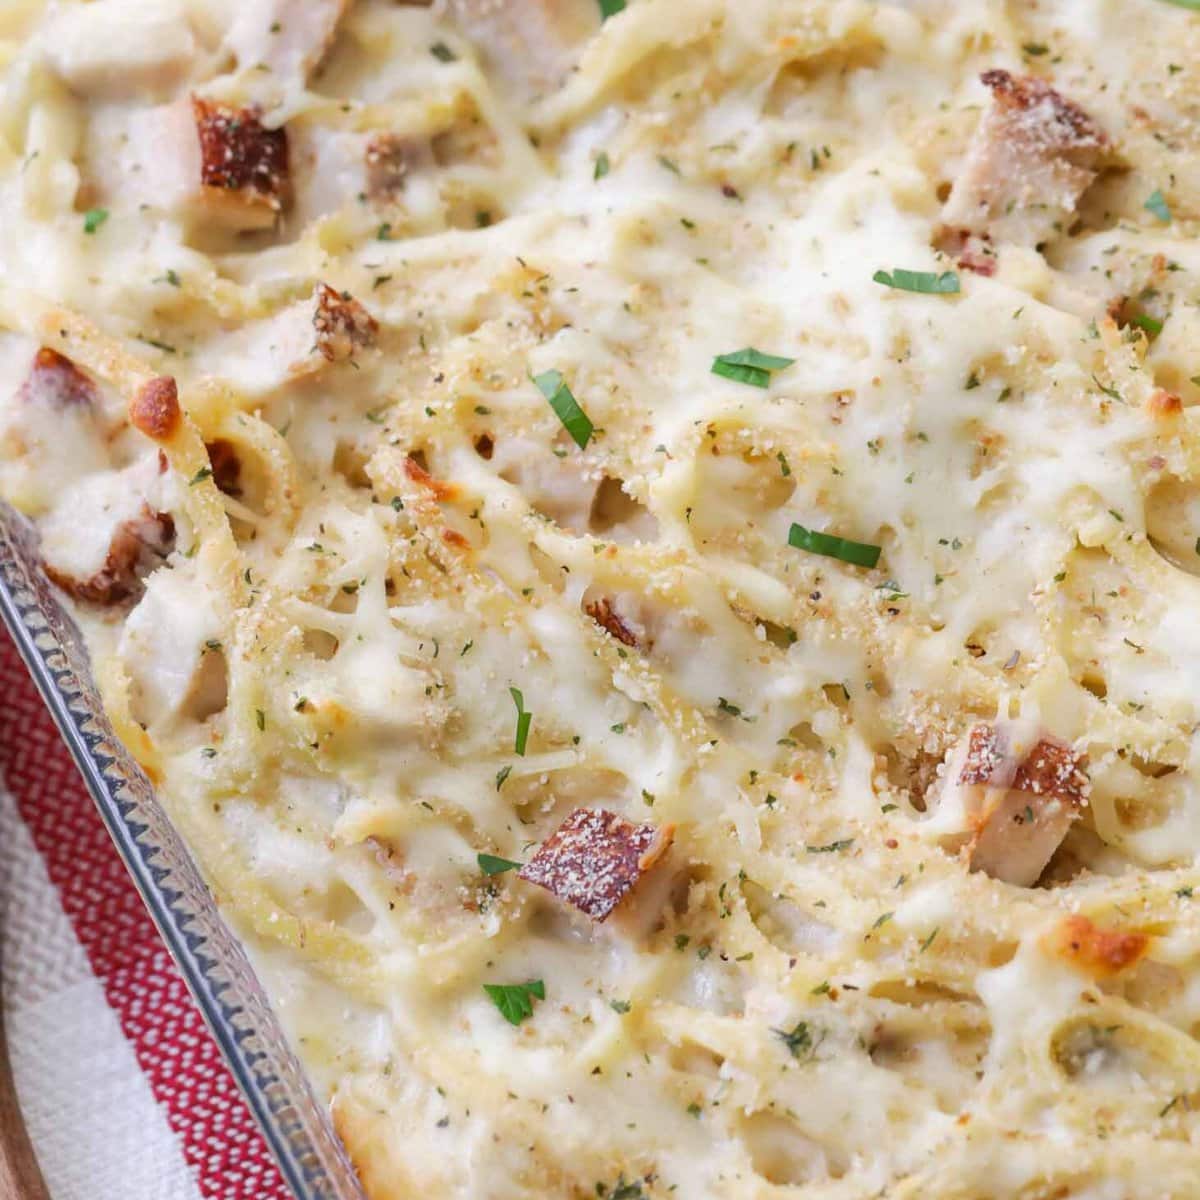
(812, 994)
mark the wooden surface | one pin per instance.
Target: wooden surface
(20, 1177)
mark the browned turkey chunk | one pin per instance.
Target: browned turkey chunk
(390, 157)
(593, 860)
(1033, 155)
(242, 163)
(602, 612)
(1019, 801)
(154, 409)
(137, 547)
(341, 323)
(56, 381)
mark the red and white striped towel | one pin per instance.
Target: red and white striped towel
(123, 1090)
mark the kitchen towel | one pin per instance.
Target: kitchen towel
(123, 1090)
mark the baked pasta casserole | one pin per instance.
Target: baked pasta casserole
(652, 551)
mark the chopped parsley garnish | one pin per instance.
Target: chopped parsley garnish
(260, 719)
(493, 864)
(929, 282)
(610, 8)
(749, 366)
(524, 719)
(602, 165)
(1156, 203)
(1152, 325)
(200, 476)
(929, 940)
(620, 1006)
(860, 554)
(552, 385)
(724, 706)
(798, 1039)
(1035, 49)
(442, 52)
(831, 847)
(93, 219)
(502, 775)
(515, 1000)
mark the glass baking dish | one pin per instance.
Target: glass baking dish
(214, 965)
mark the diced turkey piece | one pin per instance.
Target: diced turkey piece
(170, 645)
(54, 430)
(116, 49)
(531, 44)
(558, 488)
(138, 545)
(55, 382)
(1033, 155)
(390, 157)
(594, 859)
(107, 531)
(342, 325)
(1019, 794)
(205, 162)
(300, 340)
(289, 38)
(240, 157)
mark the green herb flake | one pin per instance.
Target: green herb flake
(443, 53)
(798, 1039)
(260, 719)
(610, 8)
(200, 476)
(502, 775)
(552, 385)
(929, 940)
(493, 864)
(515, 1000)
(1152, 325)
(860, 554)
(927, 282)
(93, 219)
(620, 1006)
(694, 1110)
(524, 719)
(749, 366)
(602, 166)
(1035, 49)
(1156, 203)
(831, 847)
